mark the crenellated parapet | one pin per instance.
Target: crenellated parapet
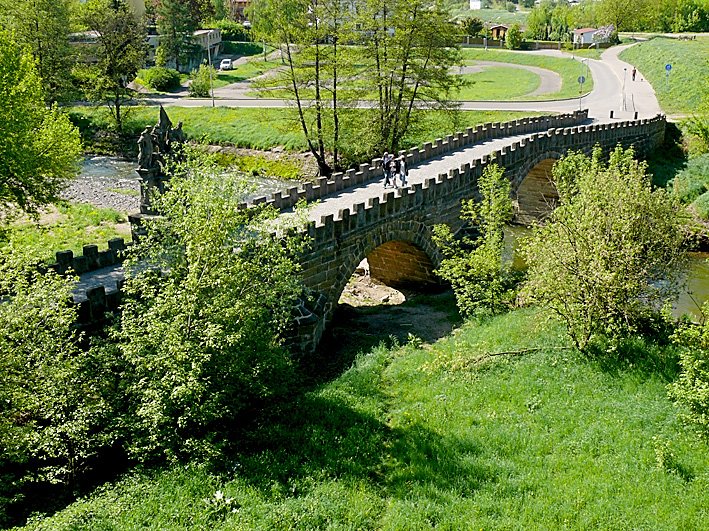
(369, 171)
(91, 258)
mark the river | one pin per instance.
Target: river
(111, 182)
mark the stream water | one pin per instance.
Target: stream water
(111, 182)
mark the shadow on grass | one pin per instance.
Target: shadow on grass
(317, 439)
(427, 317)
(641, 356)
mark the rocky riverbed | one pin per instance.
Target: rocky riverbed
(106, 182)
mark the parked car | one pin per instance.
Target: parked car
(225, 64)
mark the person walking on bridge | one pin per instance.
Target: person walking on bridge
(386, 166)
(403, 171)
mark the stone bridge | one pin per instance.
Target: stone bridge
(356, 218)
(393, 229)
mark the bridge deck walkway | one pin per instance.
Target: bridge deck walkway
(349, 197)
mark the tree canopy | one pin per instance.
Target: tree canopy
(40, 148)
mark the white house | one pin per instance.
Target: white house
(584, 35)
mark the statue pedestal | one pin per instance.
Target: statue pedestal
(151, 183)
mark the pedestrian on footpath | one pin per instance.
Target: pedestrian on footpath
(403, 171)
(634, 72)
(386, 165)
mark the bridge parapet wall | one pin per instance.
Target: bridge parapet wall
(372, 170)
(91, 259)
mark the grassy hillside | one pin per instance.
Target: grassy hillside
(416, 438)
(689, 77)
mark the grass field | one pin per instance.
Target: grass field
(498, 84)
(688, 82)
(255, 67)
(568, 69)
(492, 84)
(268, 128)
(67, 226)
(421, 438)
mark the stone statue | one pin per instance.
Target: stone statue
(145, 149)
(155, 145)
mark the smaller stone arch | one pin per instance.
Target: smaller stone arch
(535, 195)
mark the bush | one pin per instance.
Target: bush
(160, 78)
(201, 332)
(514, 37)
(691, 389)
(202, 81)
(612, 253)
(232, 31)
(482, 283)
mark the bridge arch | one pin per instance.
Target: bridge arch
(400, 253)
(535, 195)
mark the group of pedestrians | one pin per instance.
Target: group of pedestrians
(394, 170)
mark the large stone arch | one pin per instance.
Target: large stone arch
(400, 253)
(535, 196)
(412, 240)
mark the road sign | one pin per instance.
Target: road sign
(668, 67)
(582, 80)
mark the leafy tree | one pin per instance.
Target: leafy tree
(57, 400)
(514, 37)
(201, 329)
(202, 79)
(177, 20)
(691, 389)
(119, 54)
(482, 283)
(612, 253)
(310, 33)
(42, 26)
(40, 148)
(472, 26)
(409, 49)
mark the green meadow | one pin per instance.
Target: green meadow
(569, 69)
(445, 436)
(267, 128)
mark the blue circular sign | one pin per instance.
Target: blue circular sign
(582, 80)
(668, 67)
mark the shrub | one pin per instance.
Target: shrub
(161, 78)
(203, 336)
(232, 31)
(482, 284)
(612, 253)
(691, 389)
(514, 37)
(202, 81)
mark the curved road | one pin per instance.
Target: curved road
(613, 89)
